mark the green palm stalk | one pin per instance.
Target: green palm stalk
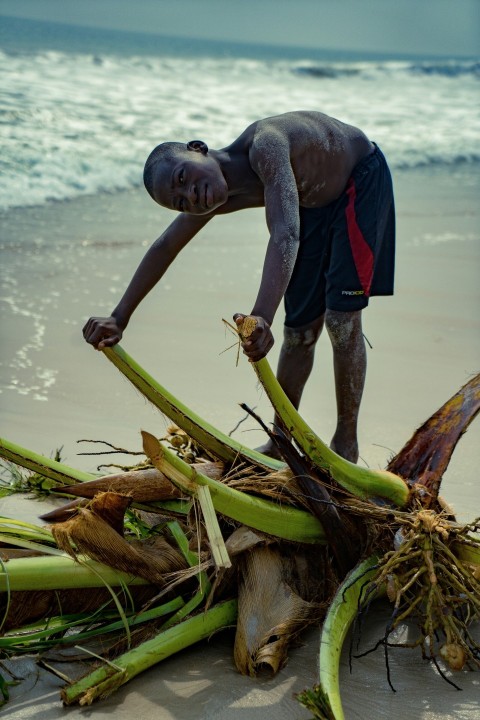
(60, 572)
(41, 636)
(324, 700)
(362, 482)
(107, 678)
(209, 437)
(282, 521)
(63, 474)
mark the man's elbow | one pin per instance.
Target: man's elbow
(287, 240)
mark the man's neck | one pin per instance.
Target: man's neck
(236, 169)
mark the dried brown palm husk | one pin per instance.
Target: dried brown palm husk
(94, 532)
(242, 540)
(144, 485)
(64, 512)
(425, 457)
(270, 611)
(279, 485)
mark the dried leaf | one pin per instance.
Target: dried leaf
(425, 457)
(146, 485)
(270, 612)
(89, 533)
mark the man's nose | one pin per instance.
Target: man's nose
(192, 194)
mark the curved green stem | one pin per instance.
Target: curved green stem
(108, 677)
(324, 700)
(59, 572)
(42, 465)
(362, 482)
(212, 440)
(282, 521)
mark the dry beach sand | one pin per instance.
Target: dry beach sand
(66, 261)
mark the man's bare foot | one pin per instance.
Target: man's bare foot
(270, 449)
(346, 449)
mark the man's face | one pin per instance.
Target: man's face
(190, 182)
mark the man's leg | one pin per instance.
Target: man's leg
(295, 365)
(350, 365)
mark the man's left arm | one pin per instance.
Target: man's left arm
(282, 216)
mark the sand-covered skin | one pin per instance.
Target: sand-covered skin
(67, 261)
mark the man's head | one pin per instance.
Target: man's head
(186, 178)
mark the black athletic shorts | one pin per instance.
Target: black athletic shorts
(347, 249)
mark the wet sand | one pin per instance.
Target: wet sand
(67, 261)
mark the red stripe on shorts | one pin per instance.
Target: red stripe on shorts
(361, 251)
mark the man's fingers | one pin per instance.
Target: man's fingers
(102, 332)
(257, 355)
(238, 318)
(95, 336)
(259, 341)
(257, 351)
(108, 342)
(86, 328)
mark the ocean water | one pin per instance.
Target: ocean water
(80, 109)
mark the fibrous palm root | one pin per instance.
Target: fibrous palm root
(430, 585)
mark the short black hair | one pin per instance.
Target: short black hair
(164, 151)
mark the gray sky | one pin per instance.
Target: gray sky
(443, 27)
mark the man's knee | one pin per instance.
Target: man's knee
(304, 337)
(343, 327)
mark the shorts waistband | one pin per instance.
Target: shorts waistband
(372, 159)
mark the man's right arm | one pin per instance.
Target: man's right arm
(107, 331)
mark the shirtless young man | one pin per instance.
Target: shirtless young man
(329, 209)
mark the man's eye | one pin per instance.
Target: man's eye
(181, 205)
(180, 177)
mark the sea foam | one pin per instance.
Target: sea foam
(80, 123)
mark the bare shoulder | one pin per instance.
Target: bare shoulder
(287, 133)
(312, 150)
(303, 152)
(291, 124)
(302, 128)
(270, 145)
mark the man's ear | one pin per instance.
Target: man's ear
(197, 146)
